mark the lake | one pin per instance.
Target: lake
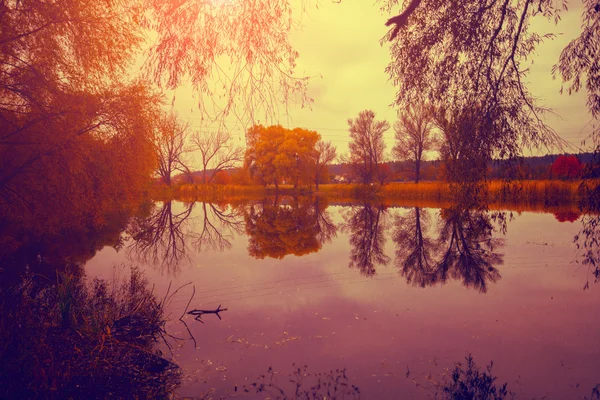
(385, 299)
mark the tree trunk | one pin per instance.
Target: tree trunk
(317, 177)
(417, 170)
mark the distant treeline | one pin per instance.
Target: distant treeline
(534, 167)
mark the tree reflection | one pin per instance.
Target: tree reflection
(218, 224)
(366, 225)
(469, 248)
(465, 249)
(290, 226)
(415, 251)
(588, 243)
(159, 238)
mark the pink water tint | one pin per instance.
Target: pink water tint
(536, 323)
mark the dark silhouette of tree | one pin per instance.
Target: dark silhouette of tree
(468, 381)
(576, 63)
(366, 225)
(216, 152)
(588, 243)
(414, 136)
(277, 228)
(468, 250)
(469, 58)
(465, 248)
(160, 237)
(366, 146)
(465, 140)
(323, 155)
(415, 250)
(171, 146)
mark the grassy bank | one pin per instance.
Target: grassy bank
(534, 194)
(549, 192)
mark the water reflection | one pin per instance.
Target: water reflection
(469, 248)
(218, 225)
(291, 225)
(415, 250)
(366, 224)
(588, 243)
(465, 249)
(159, 236)
(303, 384)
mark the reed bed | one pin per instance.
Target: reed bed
(523, 194)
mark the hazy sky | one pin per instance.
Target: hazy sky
(339, 47)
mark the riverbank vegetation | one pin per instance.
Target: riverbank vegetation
(539, 193)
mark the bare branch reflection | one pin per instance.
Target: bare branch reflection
(160, 238)
(218, 225)
(366, 224)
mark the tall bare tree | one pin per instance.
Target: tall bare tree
(367, 146)
(414, 136)
(217, 152)
(323, 155)
(170, 145)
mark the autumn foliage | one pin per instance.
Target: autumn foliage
(566, 167)
(276, 155)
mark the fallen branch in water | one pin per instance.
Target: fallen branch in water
(200, 313)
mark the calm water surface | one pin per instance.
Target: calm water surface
(395, 296)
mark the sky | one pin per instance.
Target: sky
(339, 48)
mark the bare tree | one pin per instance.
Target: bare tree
(414, 136)
(170, 144)
(367, 146)
(216, 151)
(323, 154)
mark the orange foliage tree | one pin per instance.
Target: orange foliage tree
(276, 154)
(71, 128)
